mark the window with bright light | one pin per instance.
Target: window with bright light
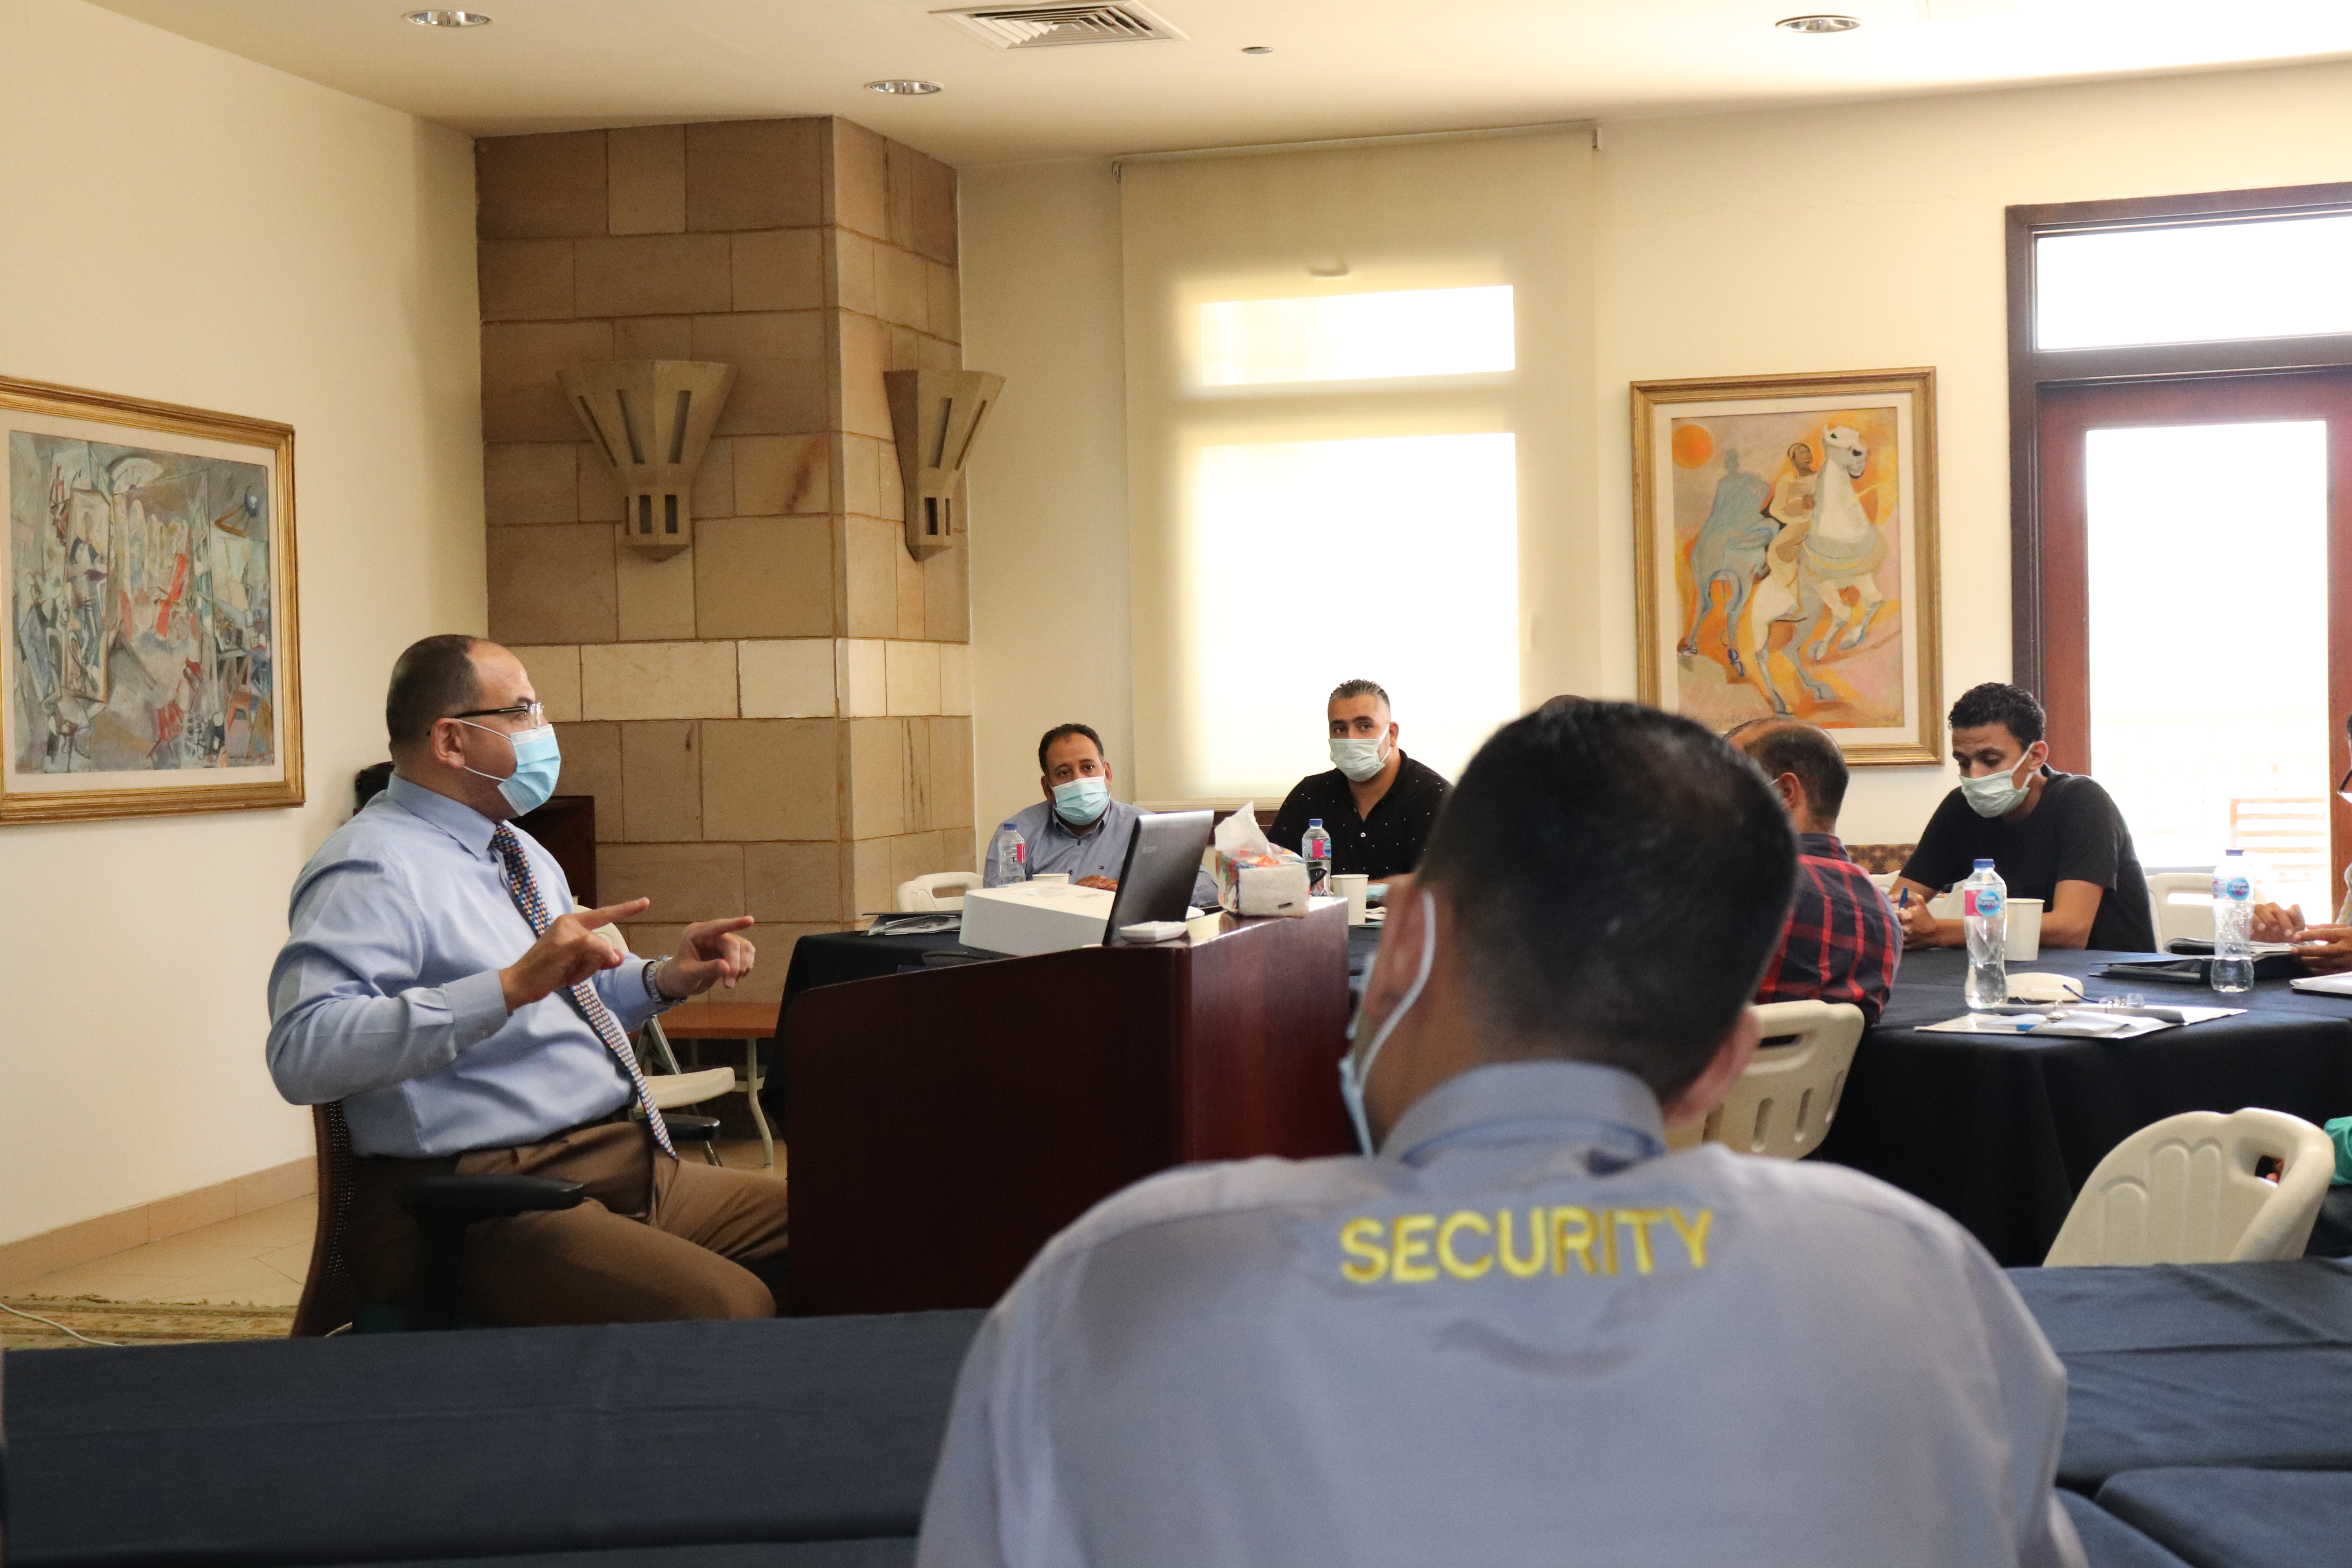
(1309, 563)
(1356, 337)
(2191, 283)
(2201, 538)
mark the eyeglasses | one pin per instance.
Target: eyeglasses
(533, 712)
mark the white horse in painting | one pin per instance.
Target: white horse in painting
(1838, 548)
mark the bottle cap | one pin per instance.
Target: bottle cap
(1984, 865)
(2237, 852)
(1008, 824)
(1318, 822)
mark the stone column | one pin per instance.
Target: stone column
(777, 720)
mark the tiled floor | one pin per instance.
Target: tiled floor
(256, 1258)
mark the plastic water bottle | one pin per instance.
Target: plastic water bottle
(1984, 914)
(1315, 848)
(1012, 854)
(2232, 968)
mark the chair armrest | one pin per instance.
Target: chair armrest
(686, 1129)
(466, 1199)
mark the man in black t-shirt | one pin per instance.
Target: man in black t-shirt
(2052, 835)
(1377, 803)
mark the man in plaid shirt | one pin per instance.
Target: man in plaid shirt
(1843, 940)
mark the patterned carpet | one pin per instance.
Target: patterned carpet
(134, 1322)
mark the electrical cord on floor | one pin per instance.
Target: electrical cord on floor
(36, 1317)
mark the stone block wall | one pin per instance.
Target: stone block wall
(778, 720)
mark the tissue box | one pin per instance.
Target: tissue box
(1034, 917)
(1251, 884)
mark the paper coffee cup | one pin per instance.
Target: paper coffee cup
(2024, 930)
(1352, 886)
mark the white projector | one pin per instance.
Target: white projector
(1034, 917)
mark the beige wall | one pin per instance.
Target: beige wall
(1049, 556)
(1852, 237)
(185, 226)
(775, 719)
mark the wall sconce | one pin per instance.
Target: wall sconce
(653, 419)
(935, 415)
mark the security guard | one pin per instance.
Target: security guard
(1523, 1332)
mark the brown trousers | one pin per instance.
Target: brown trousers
(654, 1239)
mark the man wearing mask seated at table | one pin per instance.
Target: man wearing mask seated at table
(1376, 803)
(1843, 941)
(1078, 829)
(2052, 835)
(1523, 1331)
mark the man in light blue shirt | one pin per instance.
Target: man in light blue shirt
(1078, 829)
(414, 990)
(1523, 1332)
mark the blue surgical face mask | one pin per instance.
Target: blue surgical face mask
(1081, 801)
(1997, 795)
(537, 763)
(1356, 1066)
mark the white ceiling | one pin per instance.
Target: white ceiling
(1340, 67)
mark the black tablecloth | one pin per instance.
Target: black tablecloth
(2000, 1131)
(379, 1448)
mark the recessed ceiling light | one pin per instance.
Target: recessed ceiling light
(1259, 49)
(904, 86)
(447, 18)
(1818, 24)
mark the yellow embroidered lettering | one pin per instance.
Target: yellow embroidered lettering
(1412, 1242)
(1460, 1220)
(1607, 1219)
(1511, 1265)
(1564, 1241)
(1694, 1234)
(1640, 1220)
(1362, 1240)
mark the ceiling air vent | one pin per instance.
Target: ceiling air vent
(1044, 27)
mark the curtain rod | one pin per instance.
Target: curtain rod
(1269, 149)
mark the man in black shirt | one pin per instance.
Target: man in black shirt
(2052, 835)
(1376, 803)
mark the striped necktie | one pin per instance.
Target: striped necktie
(525, 888)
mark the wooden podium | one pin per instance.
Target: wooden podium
(944, 1125)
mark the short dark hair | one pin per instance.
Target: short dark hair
(1793, 746)
(1347, 689)
(1063, 732)
(432, 678)
(1588, 852)
(1998, 703)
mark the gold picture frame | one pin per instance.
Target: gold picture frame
(149, 639)
(1768, 579)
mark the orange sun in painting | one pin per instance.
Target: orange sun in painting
(1693, 446)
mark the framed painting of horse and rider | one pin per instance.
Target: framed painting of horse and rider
(1785, 555)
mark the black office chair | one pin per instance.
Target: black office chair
(443, 1207)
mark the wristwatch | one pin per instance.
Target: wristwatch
(652, 973)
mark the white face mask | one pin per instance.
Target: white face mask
(1998, 794)
(1360, 760)
(1356, 1066)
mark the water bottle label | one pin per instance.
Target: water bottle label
(1984, 902)
(1020, 854)
(2236, 888)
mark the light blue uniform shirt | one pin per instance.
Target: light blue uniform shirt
(1053, 847)
(1524, 1334)
(386, 994)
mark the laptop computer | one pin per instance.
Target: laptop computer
(1155, 880)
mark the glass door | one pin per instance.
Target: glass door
(2194, 631)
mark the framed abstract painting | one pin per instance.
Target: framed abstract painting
(151, 661)
(1784, 557)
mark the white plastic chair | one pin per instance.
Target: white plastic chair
(1885, 881)
(2183, 1190)
(939, 890)
(1782, 1105)
(671, 1089)
(2182, 905)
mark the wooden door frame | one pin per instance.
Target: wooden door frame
(2031, 368)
